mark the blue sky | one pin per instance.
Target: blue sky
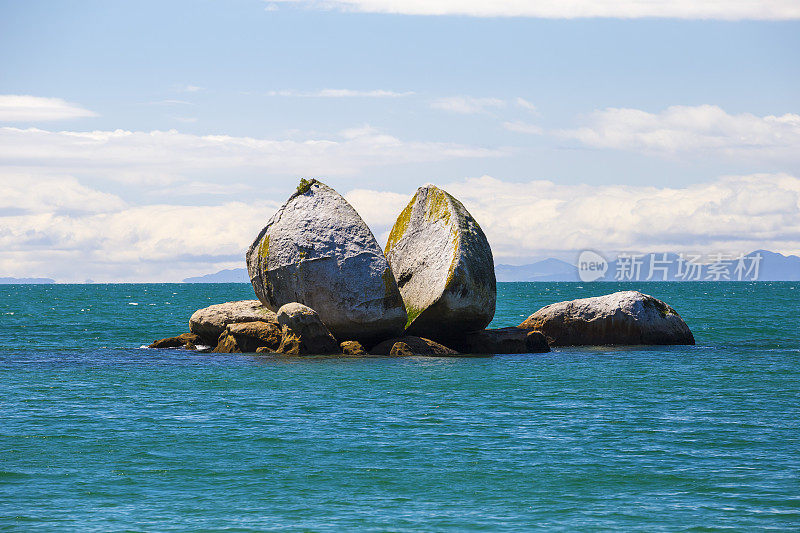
(151, 140)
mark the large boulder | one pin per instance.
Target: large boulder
(411, 345)
(317, 251)
(211, 321)
(303, 332)
(443, 265)
(502, 341)
(622, 318)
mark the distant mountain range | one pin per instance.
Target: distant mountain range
(761, 264)
(26, 281)
(231, 275)
(547, 270)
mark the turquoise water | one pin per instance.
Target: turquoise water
(98, 434)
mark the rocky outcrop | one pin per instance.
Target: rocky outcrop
(501, 341)
(621, 318)
(186, 340)
(443, 265)
(352, 348)
(317, 251)
(249, 337)
(209, 323)
(411, 345)
(303, 332)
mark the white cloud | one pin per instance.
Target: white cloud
(54, 226)
(730, 214)
(377, 208)
(704, 129)
(682, 9)
(342, 93)
(136, 156)
(467, 105)
(24, 108)
(521, 102)
(169, 101)
(28, 193)
(523, 127)
(72, 232)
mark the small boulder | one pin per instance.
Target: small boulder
(303, 332)
(502, 341)
(317, 251)
(291, 344)
(352, 348)
(443, 266)
(622, 318)
(186, 340)
(253, 335)
(412, 345)
(227, 344)
(536, 342)
(211, 321)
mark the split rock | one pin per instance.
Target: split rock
(316, 250)
(443, 265)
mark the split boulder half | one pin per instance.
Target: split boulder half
(621, 318)
(443, 265)
(317, 251)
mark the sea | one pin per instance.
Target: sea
(98, 433)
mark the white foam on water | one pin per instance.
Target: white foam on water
(133, 303)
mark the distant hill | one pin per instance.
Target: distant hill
(772, 267)
(26, 281)
(231, 275)
(547, 270)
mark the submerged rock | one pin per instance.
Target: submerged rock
(185, 340)
(502, 341)
(303, 332)
(211, 321)
(317, 251)
(411, 345)
(626, 318)
(443, 265)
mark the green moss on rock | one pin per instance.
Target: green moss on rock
(304, 186)
(400, 225)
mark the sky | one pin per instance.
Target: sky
(151, 141)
